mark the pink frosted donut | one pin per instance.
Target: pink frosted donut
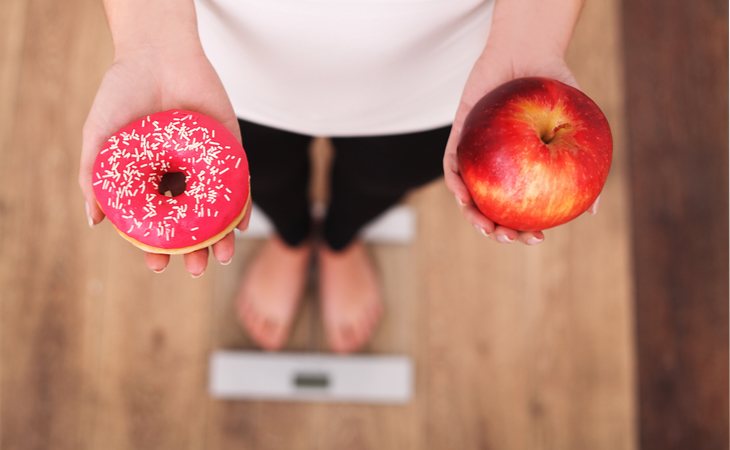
(172, 182)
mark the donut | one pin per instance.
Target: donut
(172, 182)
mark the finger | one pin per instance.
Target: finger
(91, 142)
(531, 237)
(223, 249)
(593, 210)
(505, 235)
(231, 123)
(243, 225)
(196, 262)
(478, 220)
(453, 180)
(156, 262)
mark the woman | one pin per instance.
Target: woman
(389, 81)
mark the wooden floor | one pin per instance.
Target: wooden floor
(678, 130)
(515, 348)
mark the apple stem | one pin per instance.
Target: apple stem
(550, 134)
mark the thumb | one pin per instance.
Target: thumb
(91, 143)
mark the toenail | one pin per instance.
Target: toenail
(159, 270)
(197, 275)
(226, 262)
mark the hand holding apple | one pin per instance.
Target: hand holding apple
(534, 153)
(495, 67)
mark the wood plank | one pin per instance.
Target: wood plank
(532, 347)
(97, 351)
(513, 347)
(295, 425)
(47, 361)
(258, 424)
(676, 74)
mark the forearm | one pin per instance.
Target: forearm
(534, 27)
(140, 24)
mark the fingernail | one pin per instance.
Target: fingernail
(89, 220)
(198, 275)
(534, 240)
(226, 262)
(160, 270)
(594, 207)
(481, 230)
(503, 238)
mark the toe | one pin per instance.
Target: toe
(271, 334)
(350, 335)
(248, 319)
(365, 332)
(340, 338)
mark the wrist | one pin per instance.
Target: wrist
(164, 25)
(523, 51)
(159, 51)
(513, 60)
(533, 29)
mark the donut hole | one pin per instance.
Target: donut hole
(172, 184)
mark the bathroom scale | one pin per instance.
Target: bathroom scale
(320, 377)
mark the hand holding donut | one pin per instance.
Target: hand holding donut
(147, 78)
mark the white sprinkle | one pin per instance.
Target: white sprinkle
(227, 197)
(194, 229)
(238, 162)
(194, 238)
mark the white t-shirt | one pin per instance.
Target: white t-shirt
(344, 67)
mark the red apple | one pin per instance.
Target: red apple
(534, 153)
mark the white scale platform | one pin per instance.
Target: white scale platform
(311, 377)
(319, 377)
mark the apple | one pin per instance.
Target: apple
(534, 153)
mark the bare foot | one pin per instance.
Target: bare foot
(271, 290)
(350, 295)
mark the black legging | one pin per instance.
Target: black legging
(369, 175)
